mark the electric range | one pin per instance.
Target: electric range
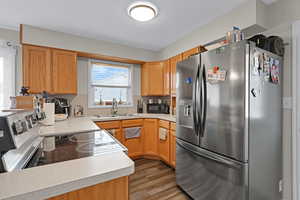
(22, 147)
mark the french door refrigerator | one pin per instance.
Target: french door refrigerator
(228, 130)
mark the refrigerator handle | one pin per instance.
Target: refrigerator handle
(200, 99)
(195, 115)
(209, 155)
(204, 103)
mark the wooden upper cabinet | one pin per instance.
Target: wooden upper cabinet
(37, 69)
(173, 62)
(50, 70)
(144, 80)
(153, 79)
(64, 71)
(190, 52)
(167, 78)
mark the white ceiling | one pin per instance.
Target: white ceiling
(108, 20)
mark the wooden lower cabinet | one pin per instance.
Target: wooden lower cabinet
(116, 189)
(164, 148)
(172, 148)
(149, 142)
(151, 137)
(114, 128)
(117, 133)
(173, 144)
(134, 145)
(164, 143)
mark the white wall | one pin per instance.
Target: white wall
(285, 31)
(82, 86)
(247, 15)
(282, 12)
(296, 113)
(11, 35)
(49, 38)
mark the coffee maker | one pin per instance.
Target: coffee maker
(62, 106)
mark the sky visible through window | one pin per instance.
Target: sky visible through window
(111, 76)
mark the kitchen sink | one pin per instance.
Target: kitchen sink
(117, 115)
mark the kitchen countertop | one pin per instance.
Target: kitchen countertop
(135, 116)
(39, 183)
(69, 126)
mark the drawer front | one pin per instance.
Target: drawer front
(109, 124)
(132, 123)
(173, 126)
(164, 124)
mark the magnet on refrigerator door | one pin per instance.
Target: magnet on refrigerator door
(275, 71)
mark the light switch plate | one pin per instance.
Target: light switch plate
(287, 103)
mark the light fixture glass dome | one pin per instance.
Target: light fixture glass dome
(142, 11)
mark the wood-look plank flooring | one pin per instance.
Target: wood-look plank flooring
(153, 180)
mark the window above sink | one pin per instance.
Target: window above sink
(108, 80)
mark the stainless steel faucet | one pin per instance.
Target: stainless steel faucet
(114, 108)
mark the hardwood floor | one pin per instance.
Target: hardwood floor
(153, 180)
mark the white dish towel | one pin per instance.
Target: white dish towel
(133, 132)
(163, 133)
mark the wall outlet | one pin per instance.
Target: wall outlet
(280, 186)
(287, 103)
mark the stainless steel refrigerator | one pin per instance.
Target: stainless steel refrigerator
(228, 134)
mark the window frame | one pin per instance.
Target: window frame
(91, 86)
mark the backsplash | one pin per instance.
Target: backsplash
(82, 100)
(155, 99)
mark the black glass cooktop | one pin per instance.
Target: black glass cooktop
(78, 146)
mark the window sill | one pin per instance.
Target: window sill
(109, 106)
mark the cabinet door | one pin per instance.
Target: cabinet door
(116, 189)
(151, 137)
(190, 52)
(173, 148)
(113, 127)
(164, 147)
(173, 63)
(64, 71)
(116, 133)
(153, 79)
(167, 79)
(134, 145)
(144, 80)
(37, 68)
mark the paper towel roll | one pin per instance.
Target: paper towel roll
(49, 109)
(49, 144)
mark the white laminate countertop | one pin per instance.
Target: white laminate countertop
(135, 116)
(39, 183)
(69, 126)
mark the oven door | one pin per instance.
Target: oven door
(208, 176)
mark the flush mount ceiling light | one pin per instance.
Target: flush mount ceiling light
(142, 11)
